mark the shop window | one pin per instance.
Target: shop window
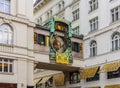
(30, 86)
(113, 74)
(49, 83)
(95, 78)
(6, 65)
(74, 77)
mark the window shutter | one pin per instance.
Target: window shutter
(35, 38)
(47, 40)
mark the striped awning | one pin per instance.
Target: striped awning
(45, 79)
(59, 79)
(113, 86)
(110, 67)
(89, 72)
(37, 80)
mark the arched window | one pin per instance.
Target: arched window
(6, 34)
(93, 48)
(116, 41)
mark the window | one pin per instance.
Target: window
(39, 20)
(76, 30)
(75, 47)
(49, 14)
(39, 39)
(61, 5)
(6, 34)
(6, 65)
(93, 48)
(74, 77)
(94, 24)
(116, 41)
(49, 83)
(75, 15)
(93, 5)
(113, 74)
(115, 13)
(5, 6)
(95, 78)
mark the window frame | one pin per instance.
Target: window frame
(93, 48)
(115, 41)
(75, 47)
(76, 30)
(115, 14)
(4, 3)
(6, 29)
(71, 77)
(9, 63)
(113, 74)
(93, 24)
(76, 14)
(93, 5)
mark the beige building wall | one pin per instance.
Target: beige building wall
(21, 51)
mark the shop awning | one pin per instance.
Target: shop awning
(45, 79)
(59, 79)
(112, 86)
(94, 87)
(110, 67)
(89, 72)
(37, 80)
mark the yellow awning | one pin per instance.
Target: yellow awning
(59, 79)
(89, 72)
(37, 80)
(113, 86)
(110, 67)
(45, 79)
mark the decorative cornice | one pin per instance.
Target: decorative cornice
(40, 4)
(9, 18)
(115, 26)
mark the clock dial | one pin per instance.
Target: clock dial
(59, 43)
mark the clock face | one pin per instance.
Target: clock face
(59, 43)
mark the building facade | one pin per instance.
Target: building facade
(16, 44)
(64, 9)
(50, 73)
(100, 23)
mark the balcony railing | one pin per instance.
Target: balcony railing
(6, 48)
